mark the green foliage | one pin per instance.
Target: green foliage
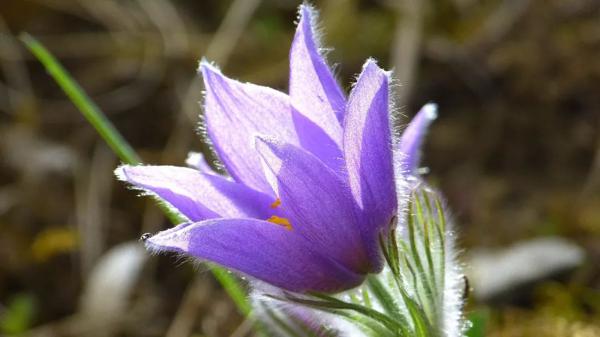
(18, 315)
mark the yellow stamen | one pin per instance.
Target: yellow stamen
(276, 203)
(280, 221)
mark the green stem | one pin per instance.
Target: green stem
(121, 148)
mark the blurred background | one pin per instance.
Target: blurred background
(516, 150)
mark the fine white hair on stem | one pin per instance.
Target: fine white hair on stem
(454, 286)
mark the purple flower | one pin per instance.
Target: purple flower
(412, 138)
(312, 182)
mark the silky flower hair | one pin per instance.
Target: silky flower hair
(322, 206)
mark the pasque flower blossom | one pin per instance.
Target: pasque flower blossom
(312, 175)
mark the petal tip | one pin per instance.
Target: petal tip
(205, 66)
(171, 240)
(129, 173)
(431, 111)
(193, 158)
(306, 30)
(370, 62)
(372, 67)
(153, 248)
(304, 9)
(121, 173)
(266, 145)
(264, 142)
(197, 160)
(306, 15)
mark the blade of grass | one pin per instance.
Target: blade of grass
(233, 289)
(81, 100)
(120, 147)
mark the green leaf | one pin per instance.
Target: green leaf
(325, 302)
(421, 325)
(282, 324)
(369, 326)
(386, 300)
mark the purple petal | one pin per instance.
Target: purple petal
(316, 201)
(198, 161)
(235, 113)
(196, 195)
(412, 138)
(313, 89)
(314, 140)
(368, 153)
(259, 249)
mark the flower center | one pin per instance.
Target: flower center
(280, 221)
(277, 219)
(276, 203)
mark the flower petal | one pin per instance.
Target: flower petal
(316, 201)
(314, 140)
(313, 89)
(198, 161)
(235, 113)
(259, 249)
(367, 150)
(196, 195)
(412, 138)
